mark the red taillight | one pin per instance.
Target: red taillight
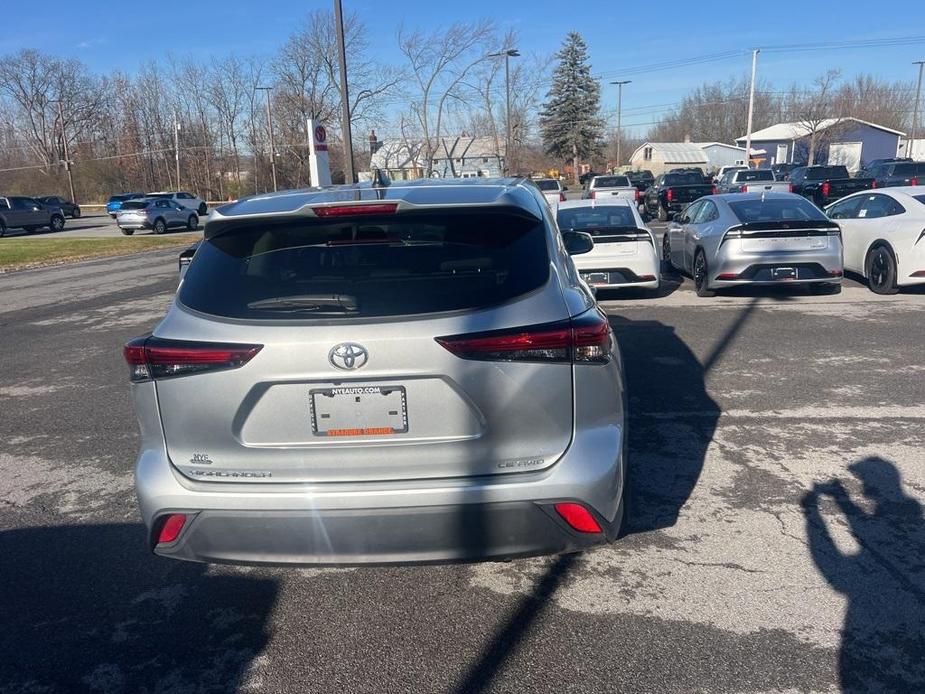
(153, 357)
(743, 189)
(637, 195)
(790, 187)
(914, 182)
(593, 194)
(578, 517)
(355, 210)
(835, 273)
(171, 528)
(669, 195)
(713, 190)
(874, 183)
(584, 339)
(826, 187)
(727, 276)
(561, 196)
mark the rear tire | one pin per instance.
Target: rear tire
(880, 269)
(667, 265)
(76, 213)
(160, 226)
(57, 222)
(192, 223)
(662, 213)
(701, 275)
(128, 232)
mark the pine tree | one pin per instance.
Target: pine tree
(570, 122)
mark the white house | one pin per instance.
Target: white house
(720, 154)
(659, 157)
(454, 157)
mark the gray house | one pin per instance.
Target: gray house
(659, 157)
(848, 141)
(454, 157)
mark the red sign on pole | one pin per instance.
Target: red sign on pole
(321, 135)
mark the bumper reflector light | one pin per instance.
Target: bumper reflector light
(171, 528)
(578, 517)
(727, 276)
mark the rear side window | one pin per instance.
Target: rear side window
(776, 210)
(547, 185)
(134, 204)
(370, 267)
(610, 182)
(755, 175)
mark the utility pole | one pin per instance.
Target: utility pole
(344, 93)
(620, 116)
(67, 156)
(910, 148)
(508, 143)
(270, 129)
(751, 110)
(176, 145)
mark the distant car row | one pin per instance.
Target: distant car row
(765, 238)
(182, 198)
(32, 214)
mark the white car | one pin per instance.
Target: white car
(184, 199)
(883, 234)
(611, 187)
(624, 253)
(552, 189)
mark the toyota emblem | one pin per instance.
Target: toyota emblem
(348, 356)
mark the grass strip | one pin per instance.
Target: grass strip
(22, 253)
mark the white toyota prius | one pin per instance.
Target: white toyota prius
(883, 234)
(624, 253)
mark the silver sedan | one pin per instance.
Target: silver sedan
(755, 238)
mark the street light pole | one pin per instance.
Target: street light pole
(620, 116)
(751, 110)
(176, 145)
(67, 156)
(270, 128)
(344, 94)
(508, 54)
(910, 148)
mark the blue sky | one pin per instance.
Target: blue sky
(108, 35)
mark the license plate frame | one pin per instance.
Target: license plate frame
(596, 278)
(784, 273)
(334, 411)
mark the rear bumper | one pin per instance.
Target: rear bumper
(133, 224)
(733, 267)
(378, 536)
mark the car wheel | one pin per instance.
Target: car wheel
(192, 222)
(701, 283)
(76, 213)
(662, 213)
(203, 209)
(160, 226)
(57, 222)
(127, 232)
(2, 229)
(881, 270)
(666, 252)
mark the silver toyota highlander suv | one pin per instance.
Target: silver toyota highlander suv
(381, 373)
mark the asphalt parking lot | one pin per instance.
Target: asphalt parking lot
(777, 535)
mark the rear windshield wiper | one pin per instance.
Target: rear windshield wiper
(307, 302)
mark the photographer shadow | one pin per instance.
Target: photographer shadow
(88, 608)
(883, 638)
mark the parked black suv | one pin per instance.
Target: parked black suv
(70, 209)
(901, 173)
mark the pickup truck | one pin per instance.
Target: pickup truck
(20, 212)
(611, 187)
(641, 179)
(751, 181)
(552, 190)
(825, 184)
(672, 192)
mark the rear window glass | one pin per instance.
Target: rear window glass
(598, 217)
(547, 185)
(820, 172)
(683, 179)
(779, 210)
(755, 175)
(920, 198)
(904, 170)
(118, 198)
(370, 267)
(135, 204)
(611, 182)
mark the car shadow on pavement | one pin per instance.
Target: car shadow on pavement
(882, 577)
(87, 608)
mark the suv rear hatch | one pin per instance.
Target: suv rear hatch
(360, 324)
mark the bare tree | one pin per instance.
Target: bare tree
(814, 110)
(438, 63)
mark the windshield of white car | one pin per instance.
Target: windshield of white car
(612, 217)
(776, 210)
(610, 182)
